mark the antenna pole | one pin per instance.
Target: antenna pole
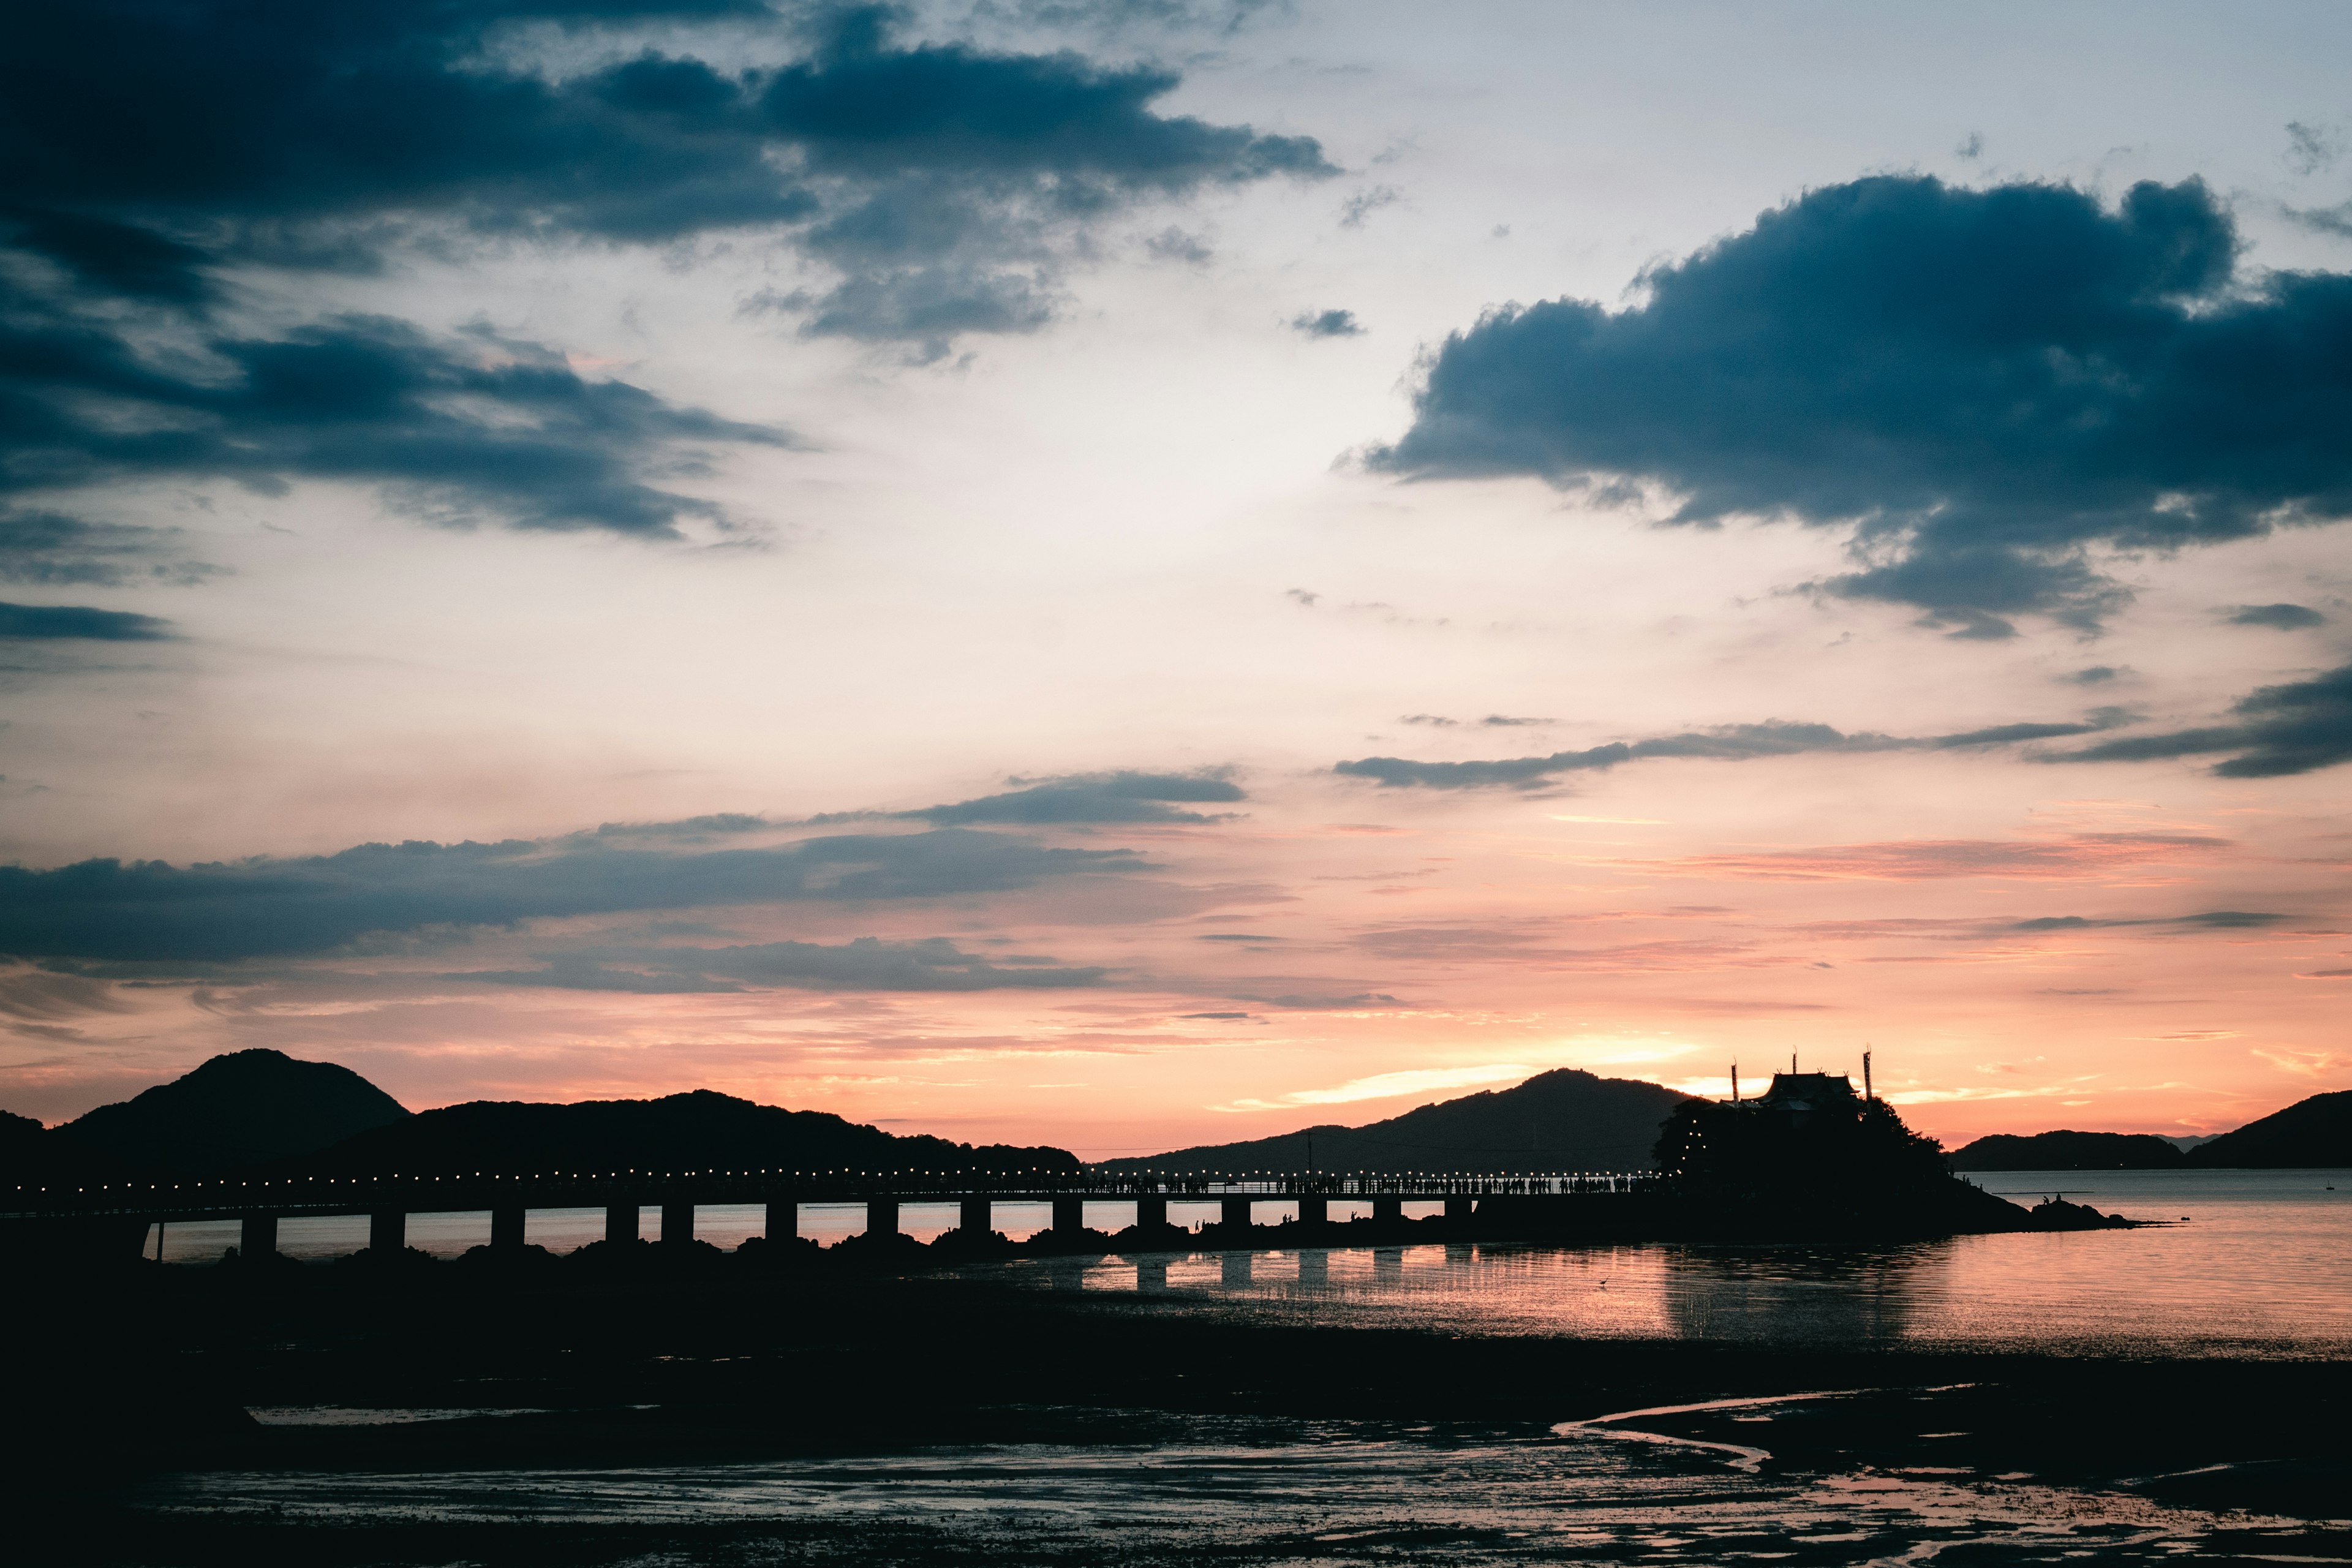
(1865, 1076)
(1734, 1083)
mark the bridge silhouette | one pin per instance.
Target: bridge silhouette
(129, 1209)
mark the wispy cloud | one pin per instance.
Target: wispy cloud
(1929, 859)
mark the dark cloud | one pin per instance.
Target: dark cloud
(1327, 324)
(934, 176)
(38, 546)
(1121, 796)
(156, 159)
(1978, 384)
(28, 621)
(866, 964)
(2295, 728)
(2211, 919)
(223, 910)
(2278, 617)
(460, 429)
(2096, 674)
(1727, 742)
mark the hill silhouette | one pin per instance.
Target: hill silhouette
(699, 1131)
(2317, 1131)
(1567, 1120)
(2064, 1151)
(246, 1109)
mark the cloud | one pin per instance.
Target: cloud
(37, 995)
(914, 168)
(1974, 385)
(28, 621)
(1725, 742)
(1935, 859)
(2295, 728)
(2278, 617)
(1363, 204)
(1172, 244)
(1119, 796)
(1327, 325)
(864, 964)
(2211, 920)
(459, 429)
(2312, 149)
(158, 162)
(50, 547)
(2096, 674)
(149, 911)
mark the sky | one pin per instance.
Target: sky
(1125, 576)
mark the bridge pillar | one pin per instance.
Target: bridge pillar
(259, 1236)
(1237, 1212)
(881, 1216)
(1458, 1209)
(978, 1217)
(1388, 1210)
(621, 1222)
(1315, 1211)
(1069, 1215)
(784, 1219)
(678, 1222)
(387, 1232)
(1150, 1213)
(506, 1229)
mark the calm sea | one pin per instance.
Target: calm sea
(2243, 1262)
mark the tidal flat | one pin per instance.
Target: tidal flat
(1458, 1405)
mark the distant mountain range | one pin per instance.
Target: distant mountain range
(701, 1129)
(2315, 1133)
(2070, 1152)
(2312, 1133)
(1567, 1120)
(263, 1111)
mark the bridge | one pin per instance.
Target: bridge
(128, 1209)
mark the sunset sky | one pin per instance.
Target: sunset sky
(1133, 575)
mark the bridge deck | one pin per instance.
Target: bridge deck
(327, 1195)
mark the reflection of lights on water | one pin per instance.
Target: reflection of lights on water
(2267, 1265)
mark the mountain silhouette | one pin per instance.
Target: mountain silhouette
(2069, 1152)
(246, 1109)
(2315, 1132)
(700, 1131)
(1567, 1120)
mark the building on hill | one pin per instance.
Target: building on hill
(1812, 1153)
(1800, 1095)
